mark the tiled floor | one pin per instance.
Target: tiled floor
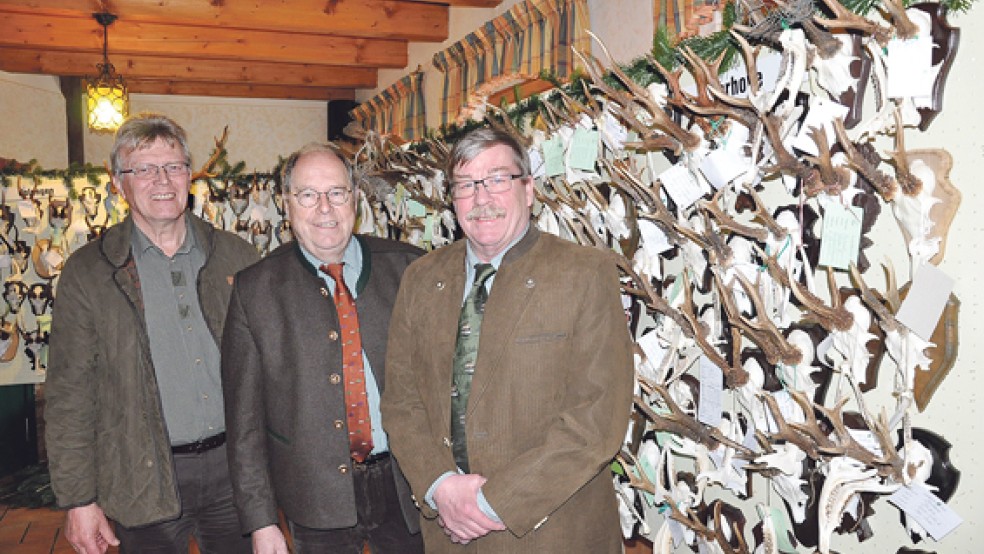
(24, 531)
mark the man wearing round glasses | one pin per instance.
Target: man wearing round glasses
(509, 372)
(135, 424)
(303, 367)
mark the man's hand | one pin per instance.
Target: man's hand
(88, 530)
(269, 540)
(457, 503)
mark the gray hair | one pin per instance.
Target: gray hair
(287, 171)
(142, 131)
(468, 147)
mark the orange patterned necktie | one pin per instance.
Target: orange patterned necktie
(353, 371)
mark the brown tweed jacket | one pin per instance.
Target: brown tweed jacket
(550, 399)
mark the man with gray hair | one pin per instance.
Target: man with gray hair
(303, 365)
(135, 424)
(510, 373)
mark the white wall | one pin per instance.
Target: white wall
(32, 120)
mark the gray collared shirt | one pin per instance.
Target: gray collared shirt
(352, 258)
(184, 353)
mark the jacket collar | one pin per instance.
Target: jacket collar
(523, 246)
(115, 243)
(360, 285)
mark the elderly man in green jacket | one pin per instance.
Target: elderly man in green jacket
(134, 416)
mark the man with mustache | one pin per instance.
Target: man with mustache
(509, 373)
(303, 364)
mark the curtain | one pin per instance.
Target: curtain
(531, 37)
(397, 110)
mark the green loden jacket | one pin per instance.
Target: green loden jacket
(105, 433)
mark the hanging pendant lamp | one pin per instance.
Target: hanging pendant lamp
(107, 100)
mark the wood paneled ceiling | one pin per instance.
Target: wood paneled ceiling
(301, 49)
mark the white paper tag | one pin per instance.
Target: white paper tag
(910, 69)
(711, 389)
(681, 185)
(52, 258)
(27, 209)
(613, 134)
(841, 239)
(721, 166)
(654, 240)
(927, 297)
(931, 513)
(651, 346)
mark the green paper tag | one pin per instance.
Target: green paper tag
(429, 228)
(415, 209)
(553, 157)
(841, 238)
(584, 149)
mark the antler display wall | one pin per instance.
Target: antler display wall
(783, 395)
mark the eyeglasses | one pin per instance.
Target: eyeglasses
(308, 198)
(492, 183)
(147, 171)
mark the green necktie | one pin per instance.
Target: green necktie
(465, 353)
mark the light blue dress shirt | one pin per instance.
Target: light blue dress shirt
(352, 258)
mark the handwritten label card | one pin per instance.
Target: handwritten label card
(553, 157)
(681, 185)
(927, 509)
(924, 303)
(584, 149)
(841, 238)
(711, 389)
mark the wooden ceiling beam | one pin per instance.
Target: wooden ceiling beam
(49, 62)
(71, 33)
(395, 19)
(236, 90)
(465, 3)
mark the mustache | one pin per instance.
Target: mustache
(485, 212)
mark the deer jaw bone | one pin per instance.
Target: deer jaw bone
(846, 478)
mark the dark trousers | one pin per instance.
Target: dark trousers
(207, 512)
(380, 520)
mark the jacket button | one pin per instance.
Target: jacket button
(343, 469)
(447, 442)
(324, 292)
(338, 424)
(334, 378)
(333, 335)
